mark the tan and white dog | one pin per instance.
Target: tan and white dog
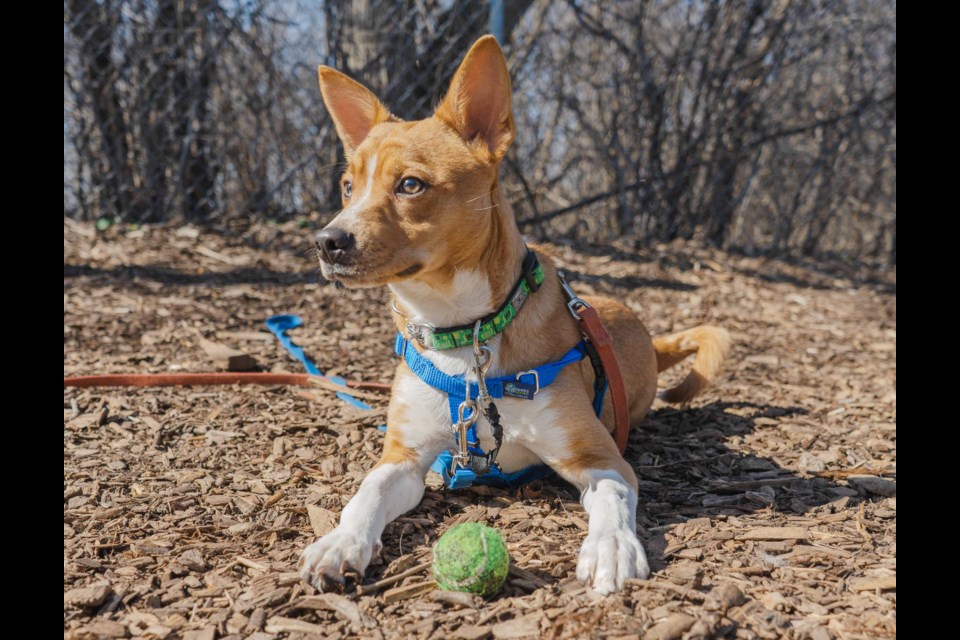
(423, 214)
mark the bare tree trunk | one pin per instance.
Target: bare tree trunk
(752, 67)
(93, 25)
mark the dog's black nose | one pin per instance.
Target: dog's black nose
(334, 243)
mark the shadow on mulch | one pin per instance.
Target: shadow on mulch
(249, 275)
(811, 277)
(631, 282)
(804, 273)
(685, 471)
(166, 275)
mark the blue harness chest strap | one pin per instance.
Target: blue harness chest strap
(524, 385)
(497, 387)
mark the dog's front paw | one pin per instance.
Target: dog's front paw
(609, 558)
(326, 562)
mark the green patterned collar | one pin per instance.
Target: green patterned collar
(441, 339)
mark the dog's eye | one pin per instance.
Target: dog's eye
(410, 186)
(347, 189)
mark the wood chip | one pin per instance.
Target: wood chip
(473, 632)
(103, 629)
(525, 627)
(883, 583)
(467, 600)
(228, 358)
(722, 597)
(253, 564)
(220, 257)
(207, 633)
(814, 551)
(93, 596)
(671, 628)
(766, 360)
(256, 336)
(333, 602)
(523, 574)
(377, 586)
(775, 533)
(322, 521)
(279, 624)
(193, 560)
(409, 591)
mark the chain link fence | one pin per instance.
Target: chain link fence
(766, 126)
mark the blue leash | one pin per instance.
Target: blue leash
(279, 325)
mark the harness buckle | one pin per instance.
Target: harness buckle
(521, 389)
(461, 477)
(459, 462)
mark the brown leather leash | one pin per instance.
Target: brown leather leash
(593, 330)
(205, 379)
(587, 319)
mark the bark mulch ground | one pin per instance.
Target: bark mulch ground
(768, 507)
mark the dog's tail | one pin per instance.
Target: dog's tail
(711, 344)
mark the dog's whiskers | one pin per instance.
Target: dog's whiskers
(475, 199)
(332, 165)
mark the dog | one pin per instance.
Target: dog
(423, 214)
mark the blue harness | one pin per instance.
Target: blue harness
(515, 386)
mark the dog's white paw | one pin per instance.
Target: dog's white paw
(326, 562)
(609, 558)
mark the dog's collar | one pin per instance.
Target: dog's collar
(441, 339)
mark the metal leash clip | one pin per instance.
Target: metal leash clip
(464, 422)
(466, 466)
(483, 359)
(420, 332)
(576, 303)
(461, 466)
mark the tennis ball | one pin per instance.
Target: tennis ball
(471, 557)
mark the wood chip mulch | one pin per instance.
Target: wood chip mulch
(768, 507)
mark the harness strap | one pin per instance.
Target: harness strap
(497, 387)
(495, 477)
(600, 383)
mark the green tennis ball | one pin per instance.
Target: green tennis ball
(471, 557)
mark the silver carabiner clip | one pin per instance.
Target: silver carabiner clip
(483, 359)
(476, 339)
(463, 418)
(576, 303)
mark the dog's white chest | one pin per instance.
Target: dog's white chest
(523, 421)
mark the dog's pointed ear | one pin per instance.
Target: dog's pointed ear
(353, 107)
(477, 104)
